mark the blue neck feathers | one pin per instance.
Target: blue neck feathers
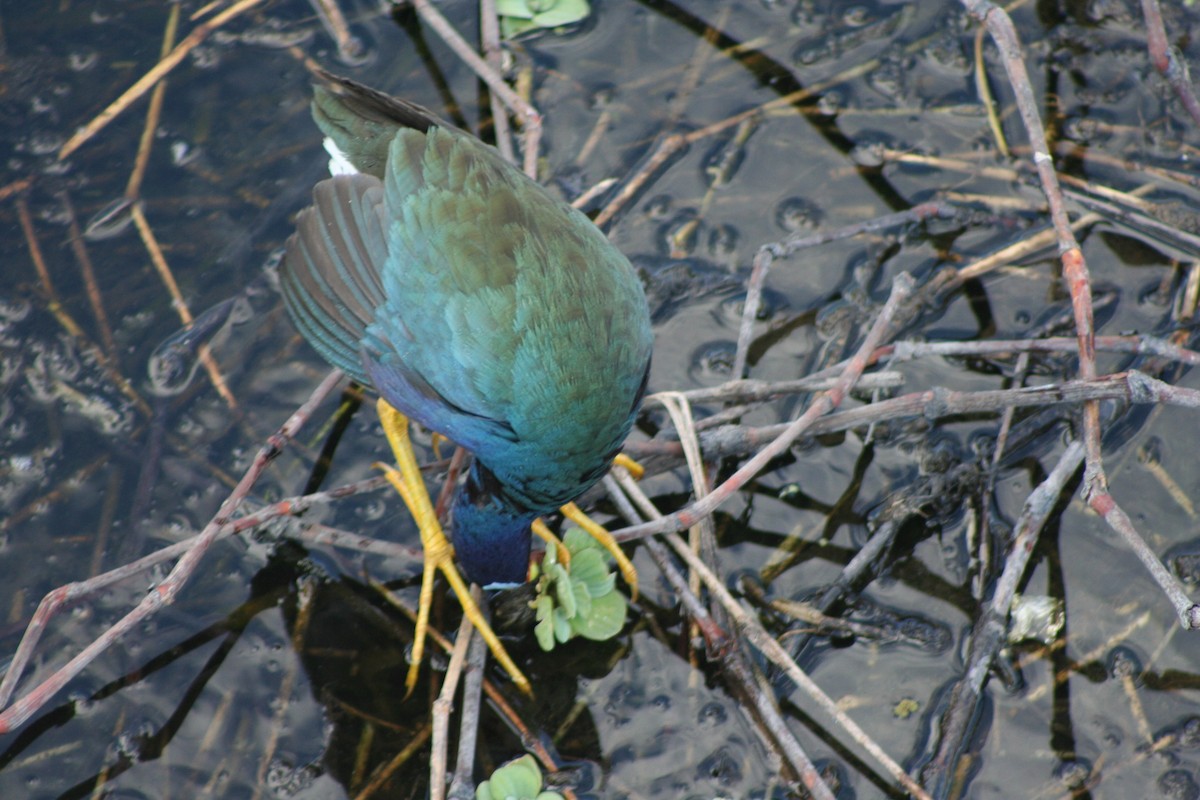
(490, 534)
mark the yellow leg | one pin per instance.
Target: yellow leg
(597, 532)
(634, 468)
(439, 554)
(542, 532)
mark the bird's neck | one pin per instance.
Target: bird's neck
(490, 533)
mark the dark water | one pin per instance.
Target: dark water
(278, 671)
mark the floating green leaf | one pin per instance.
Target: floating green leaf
(521, 16)
(579, 599)
(519, 779)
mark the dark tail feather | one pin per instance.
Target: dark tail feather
(362, 122)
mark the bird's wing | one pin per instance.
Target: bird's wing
(330, 271)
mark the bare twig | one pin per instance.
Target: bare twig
(1075, 272)
(1167, 60)
(443, 706)
(531, 120)
(462, 787)
(153, 76)
(489, 35)
(826, 402)
(719, 642)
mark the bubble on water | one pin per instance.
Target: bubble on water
(712, 360)
(794, 214)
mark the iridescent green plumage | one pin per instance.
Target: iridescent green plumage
(475, 303)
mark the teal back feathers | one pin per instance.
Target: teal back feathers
(475, 303)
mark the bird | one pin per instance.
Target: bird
(477, 304)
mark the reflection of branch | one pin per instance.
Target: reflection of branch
(958, 722)
(162, 594)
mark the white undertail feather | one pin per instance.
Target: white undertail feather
(338, 163)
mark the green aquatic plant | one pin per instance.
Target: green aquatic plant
(521, 16)
(517, 780)
(579, 598)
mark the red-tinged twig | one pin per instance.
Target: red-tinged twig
(1106, 506)
(1075, 273)
(1000, 26)
(489, 40)
(1167, 60)
(902, 287)
(531, 120)
(958, 722)
(769, 252)
(165, 593)
(316, 535)
(153, 76)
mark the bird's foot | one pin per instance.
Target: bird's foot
(406, 478)
(543, 532)
(606, 541)
(598, 531)
(632, 467)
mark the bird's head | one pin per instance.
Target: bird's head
(490, 533)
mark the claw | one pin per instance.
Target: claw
(632, 467)
(439, 553)
(540, 530)
(598, 532)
